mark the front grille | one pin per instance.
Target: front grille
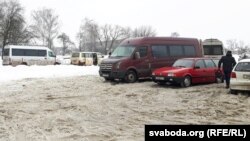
(105, 66)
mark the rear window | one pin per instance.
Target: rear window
(6, 52)
(243, 66)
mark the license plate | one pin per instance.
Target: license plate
(246, 76)
(159, 78)
(105, 75)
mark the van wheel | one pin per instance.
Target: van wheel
(186, 81)
(130, 77)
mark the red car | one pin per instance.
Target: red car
(189, 71)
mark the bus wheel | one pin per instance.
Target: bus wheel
(186, 81)
(130, 77)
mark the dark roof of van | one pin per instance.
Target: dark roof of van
(157, 39)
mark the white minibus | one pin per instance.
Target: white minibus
(28, 55)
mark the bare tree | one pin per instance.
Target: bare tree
(45, 26)
(66, 42)
(175, 34)
(144, 31)
(116, 33)
(110, 35)
(12, 24)
(238, 47)
(104, 36)
(88, 35)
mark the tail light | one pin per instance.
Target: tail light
(233, 75)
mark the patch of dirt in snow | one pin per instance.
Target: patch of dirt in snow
(89, 108)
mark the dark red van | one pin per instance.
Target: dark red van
(137, 58)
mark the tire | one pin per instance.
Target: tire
(233, 91)
(186, 81)
(130, 77)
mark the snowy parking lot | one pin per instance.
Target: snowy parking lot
(87, 108)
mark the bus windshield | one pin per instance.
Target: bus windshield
(213, 49)
(123, 51)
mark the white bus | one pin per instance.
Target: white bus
(213, 48)
(28, 55)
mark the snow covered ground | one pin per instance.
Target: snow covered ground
(8, 73)
(88, 108)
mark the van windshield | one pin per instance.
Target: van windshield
(75, 55)
(123, 51)
(6, 52)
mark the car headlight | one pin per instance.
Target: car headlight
(118, 65)
(171, 74)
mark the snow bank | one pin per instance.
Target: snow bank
(8, 73)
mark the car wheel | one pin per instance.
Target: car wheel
(130, 77)
(233, 91)
(186, 81)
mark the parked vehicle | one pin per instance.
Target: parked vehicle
(213, 48)
(28, 55)
(86, 58)
(137, 58)
(188, 71)
(240, 77)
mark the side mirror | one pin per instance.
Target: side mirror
(137, 55)
(197, 67)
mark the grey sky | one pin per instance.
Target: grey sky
(222, 19)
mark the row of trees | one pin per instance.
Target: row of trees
(44, 29)
(15, 30)
(92, 35)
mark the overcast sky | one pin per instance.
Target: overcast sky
(222, 19)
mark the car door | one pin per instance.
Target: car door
(211, 70)
(199, 72)
(142, 61)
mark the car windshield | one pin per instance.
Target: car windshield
(183, 63)
(123, 51)
(243, 66)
